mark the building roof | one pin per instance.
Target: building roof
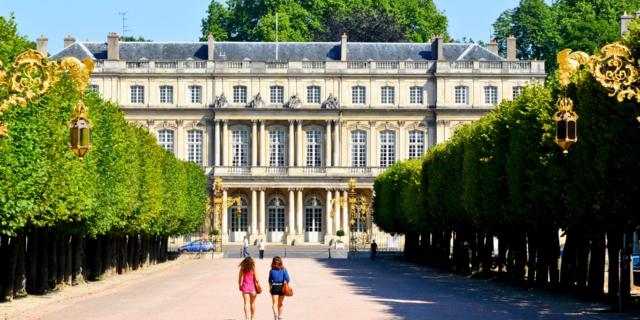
(287, 51)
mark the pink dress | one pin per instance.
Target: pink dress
(248, 283)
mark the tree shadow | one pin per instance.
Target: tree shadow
(416, 292)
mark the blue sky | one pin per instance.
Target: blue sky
(180, 20)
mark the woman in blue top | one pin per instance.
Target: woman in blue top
(277, 277)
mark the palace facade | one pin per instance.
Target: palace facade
(286, 125)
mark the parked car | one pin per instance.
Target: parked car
(198, 246)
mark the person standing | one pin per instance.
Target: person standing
(261, 249)
(247, 283)
(245, 247)
(277, 277)
(374, 250)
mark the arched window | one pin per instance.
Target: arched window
(416, 144)
(239, 216)
(165, 139)
(314, 145)
(277, 146)
(194, 146)
(240, 148)
(387, 148)
(358, 148)
(276, 215)
(313, 215)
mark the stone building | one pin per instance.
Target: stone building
(286, 125)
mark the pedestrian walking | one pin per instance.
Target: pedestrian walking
(374, 250)
(249, 286)
(245, 247)
(279, 283)
(261, 249)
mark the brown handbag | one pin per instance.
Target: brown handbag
(286, 289)
(257, 285)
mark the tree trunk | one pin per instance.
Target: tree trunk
(569, 259)
(595, 285)
(554, 255)
(32, 261)
(582, 263)
(9, 267)
(533, 260)
(20, 281)
(519, 256)
(625, 270)
(61, 260)
(53, 259)
(77, 273)
(4, 262)
(42, 281)
(68, 262)
(614, 240)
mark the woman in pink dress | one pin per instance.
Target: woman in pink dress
(247, 282)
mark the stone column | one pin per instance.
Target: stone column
(373, 146)
(402, 152)
(216, 143)
(345, 214)
(262, 219)
(327, 139)
(328, 234)
(254, 143)
(254, 212)
(336, 144)
(180, 141)
(225, 143)
(299, 144)
(299, 207)
(225, 217)
(291, 223)
(337, 210)
(291, 144)
(263, 145)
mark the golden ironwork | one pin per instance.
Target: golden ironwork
(218, 202)
(32, 75)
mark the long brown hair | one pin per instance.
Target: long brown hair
(276, 263)
(247, 265)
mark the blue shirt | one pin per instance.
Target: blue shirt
(278, 276)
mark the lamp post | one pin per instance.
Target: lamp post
(32, 75)
(218, 201)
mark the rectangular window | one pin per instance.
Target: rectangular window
(416, 95)
(239, 94)
(194, 146)
(240, 148)
(314, 145)
(137, 94)
(416, 144)
(165, 139)
(462, 95)
(276, 94)
(358, 95)
(517, 91)
(276, 148)
(387, 95)
(94, 88)
(195, 94)
(166, 94)
(491, 95)
(313, 94)
(358, 148)
(387, 148)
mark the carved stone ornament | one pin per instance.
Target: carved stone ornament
(331, 102)
(294, 102)
(220, 102)
(256, 102)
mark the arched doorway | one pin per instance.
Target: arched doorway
(313, 220)
(275, 222)
(238, 215)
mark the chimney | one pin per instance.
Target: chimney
(69, 40)
(511, 48)
(624, 22)
(493, 46)
(343, 47)
(42, 43)
(210, 47)
(437, 47)
(113, 46)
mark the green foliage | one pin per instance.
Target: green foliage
(134, 39)
(128, 185)
(542, 29)
(340, 233)
(300, 20)
(11, 42)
